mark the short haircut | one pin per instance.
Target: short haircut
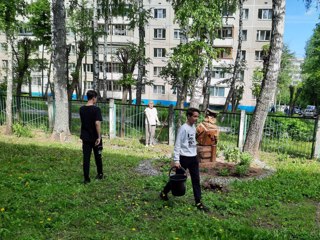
(91, 94)
(191, 110)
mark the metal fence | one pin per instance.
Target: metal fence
(295, 136)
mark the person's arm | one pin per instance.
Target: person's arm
(98, 129)
(157, 119)
(177, 147)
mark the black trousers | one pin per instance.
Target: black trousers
(87, 148)
(192, 164)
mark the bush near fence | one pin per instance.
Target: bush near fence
(288, 135)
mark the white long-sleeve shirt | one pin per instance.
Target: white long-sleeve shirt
(151, 116)
(185, 144)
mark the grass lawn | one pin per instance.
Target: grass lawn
(42, 197)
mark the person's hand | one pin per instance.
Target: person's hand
(97, 142)
(177, 164)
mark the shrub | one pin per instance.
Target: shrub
(231, 154)
(21, 131)
(245, 159)
(242, 170)
(224, 172)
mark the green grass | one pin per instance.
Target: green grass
(42, 197)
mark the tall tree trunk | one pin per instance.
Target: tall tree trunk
(9, 121)
(85, 78)
(95, 49)
(61, 122)
(196, 93)
(237, 63)
(42, 69)
(206, 87)
(105, 55)
(269, 83)
(141, 52)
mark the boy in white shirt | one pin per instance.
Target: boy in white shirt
(151, 122)
(185, 155)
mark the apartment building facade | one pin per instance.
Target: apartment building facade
(163, 34)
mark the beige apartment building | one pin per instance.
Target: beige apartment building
(163, 34)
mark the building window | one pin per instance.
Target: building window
(217, 91)
(225, 32)
(176, 34)
(263, 35)
(244, 35)
(243, 55)
(72, 67)
(89, 85)
(3, 47)
(241, 76)
(157, 70)
(113, 86)
(160, 33)
(258, 55)
(159, 52)
(158, 89)
(219, 73)
(4, 63)
(113, 67)
(120, 29)
(225, 53)
(245, 14)
(88, 67)
(160, 13)
(265, 14)
(36, 80)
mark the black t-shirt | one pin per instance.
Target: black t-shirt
(89, 115)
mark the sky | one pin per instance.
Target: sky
(299, 25)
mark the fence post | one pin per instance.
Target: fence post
(316, 149)
(112, 119)
(50, 112)
(241, 130)
(171, 125)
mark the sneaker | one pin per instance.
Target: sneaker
(147, 145)
(100, 176)
(202, 207)
(164, 196)
(86, 181)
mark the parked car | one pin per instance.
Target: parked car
(297, 110)
(310, 111)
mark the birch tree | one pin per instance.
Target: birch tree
(269, 82)
(61, 118)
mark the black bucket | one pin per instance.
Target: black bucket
(178, 182)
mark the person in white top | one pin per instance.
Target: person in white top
(151, 122)
(185, 155)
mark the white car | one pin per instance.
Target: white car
(310, 111)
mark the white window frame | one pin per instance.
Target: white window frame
(160, 13)
(218, 73)
(263, 35)
(217, 91)
(120, 30)
(159, 52)
(243, 55)
(5, 64)
(156, 71)
(159, 89)
(159, 33)
(258, 55)
(244, 35)
(176, 33)
(265, 14)
(245, 13)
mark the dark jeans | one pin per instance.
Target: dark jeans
(192, 164)
(87, 148)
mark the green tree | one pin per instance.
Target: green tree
(311, 70)
(9, 24)
(80, 25)
(39, 24)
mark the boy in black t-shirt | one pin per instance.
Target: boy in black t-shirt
(91, 119)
